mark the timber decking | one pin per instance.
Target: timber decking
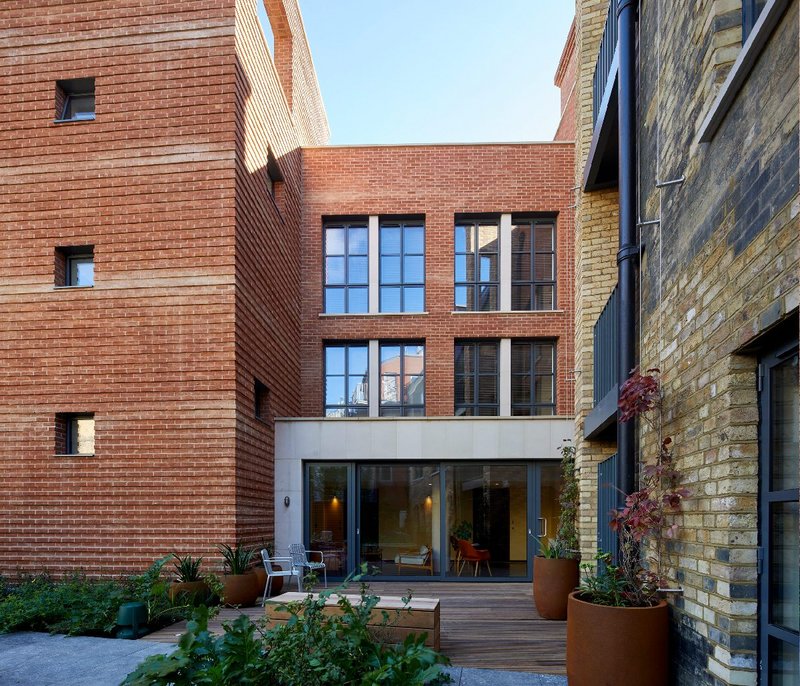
(482, 625)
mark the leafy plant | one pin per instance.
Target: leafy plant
(313, 647)
(187, 569)
(645, 519)
(566, 543)
(462, 531)
(237, 560)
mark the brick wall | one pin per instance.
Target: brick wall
(721, 270)
(566, 80)
(596, 244)
(150, 348)
(439, 182)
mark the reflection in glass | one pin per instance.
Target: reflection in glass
(533, 265)
(402, 262)
(327, 486)
(402, 375)
(784, 666)
(476, 266)
(399, 519)
(487, 511)
(784, 574)
(346, 380)
(785, 412)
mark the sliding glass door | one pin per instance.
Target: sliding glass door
(453, 520)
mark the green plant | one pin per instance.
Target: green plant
(566, 543)
(237, 560)
(462, 531)
(313, 647)
(187, 569)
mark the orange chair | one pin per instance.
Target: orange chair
(469, 553)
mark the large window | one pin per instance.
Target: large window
(477, 265)
(346, 380)
(532, 378)
(533, 265)
(346, 268)
(402, 380)
(476, 378)
(402, 266)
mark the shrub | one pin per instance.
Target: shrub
(79, 605)
(311, 648)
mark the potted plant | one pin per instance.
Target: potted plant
(617, 623)
(555, 568)
(187, 578)
(238, 582)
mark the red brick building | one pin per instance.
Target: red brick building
(217, 328)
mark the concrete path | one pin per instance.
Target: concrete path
(33, 659)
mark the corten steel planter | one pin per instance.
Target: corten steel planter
(553, 580)
(240, 589)
(616, 646)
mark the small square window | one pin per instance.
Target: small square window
(75, 99)
(261, 401)
(75, 266)
(74, 434)
(274, 175)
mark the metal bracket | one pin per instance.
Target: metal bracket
(649, 222)
(673, 182)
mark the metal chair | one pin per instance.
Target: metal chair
(300, 559)
(272, 572)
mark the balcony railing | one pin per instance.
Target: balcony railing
(608, 46)
(606, 342)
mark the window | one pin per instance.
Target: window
(532, 378)
(346, 380)
(274, 175)
(751, 9)
(476, 378)
(75, 99)
(533, 265)
(402, 376)
(75, 434)
(346, 268)
(75, 266)
(402, 266)
(261, 399)
(477, 265)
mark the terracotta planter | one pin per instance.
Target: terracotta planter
(610, 646)
(194, 589)
(261, 579)
(553, 580)
(239, 589)
(277, 582)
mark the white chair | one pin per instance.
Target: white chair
(272, 572)
(300, 559)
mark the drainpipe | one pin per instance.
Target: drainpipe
(628, 255)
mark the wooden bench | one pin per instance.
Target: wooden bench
(420, 615)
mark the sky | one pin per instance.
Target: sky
(438, 71)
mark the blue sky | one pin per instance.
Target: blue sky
(429, 71)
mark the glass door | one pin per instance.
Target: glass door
(399, 520)
(779, 576)
(328, 514)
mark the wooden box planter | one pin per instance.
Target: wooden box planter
(420, 615)
(553, 580)
(609, 646)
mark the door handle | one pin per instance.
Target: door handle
(544, 528)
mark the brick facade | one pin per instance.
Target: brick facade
(719, 277)
(438, 182)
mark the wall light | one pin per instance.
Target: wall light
(287, 501)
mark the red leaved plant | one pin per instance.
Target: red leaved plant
(646, 515)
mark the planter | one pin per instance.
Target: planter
(609, 646)
(261, 579)
(239, 589)
(193, 589)
(277, 582)
(553, 580)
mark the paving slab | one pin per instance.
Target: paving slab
(467, 676)
(35, 659)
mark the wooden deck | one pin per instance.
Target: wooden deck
(483, 625)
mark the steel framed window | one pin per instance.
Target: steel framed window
(346, 380)
(346, 267)
(477, 265)
(533, 265)
(533, 377)
(477, 378)
(402, 379)
(751, 9)
(402, 266)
